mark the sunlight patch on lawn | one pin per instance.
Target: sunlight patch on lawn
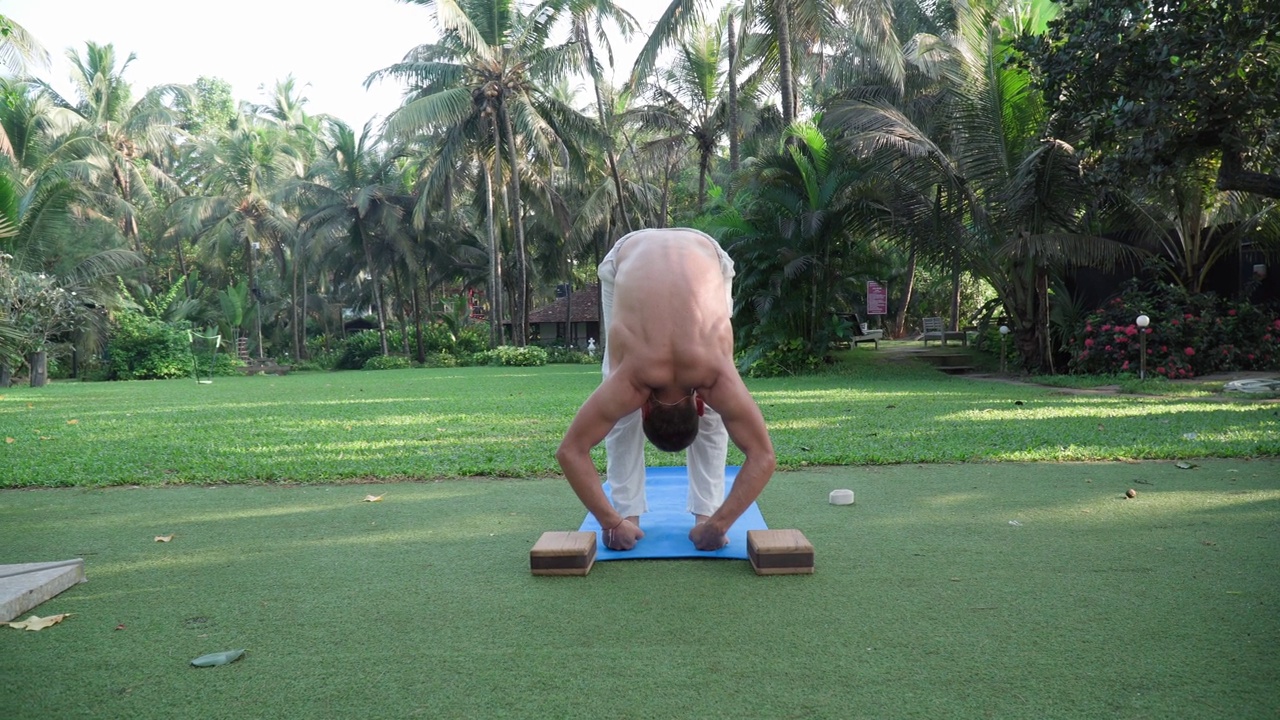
(1090, 409)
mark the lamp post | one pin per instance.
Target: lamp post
(1143, 321)
(1004, 332)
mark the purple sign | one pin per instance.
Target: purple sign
(877, 299)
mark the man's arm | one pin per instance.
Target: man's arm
(610, 402)
(745, 424)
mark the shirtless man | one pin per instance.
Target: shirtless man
(668, 368)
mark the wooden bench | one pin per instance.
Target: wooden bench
(253, 367)
(935, 328)
(866, 335)
(861, 333)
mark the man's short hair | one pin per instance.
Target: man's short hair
(671, 428)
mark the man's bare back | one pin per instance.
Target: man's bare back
(670, 326)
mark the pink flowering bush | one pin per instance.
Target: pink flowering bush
(1188, 335)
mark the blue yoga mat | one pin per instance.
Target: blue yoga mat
(667, 524)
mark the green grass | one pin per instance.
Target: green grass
(927, 602)
(506, 422)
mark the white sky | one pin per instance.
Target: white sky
(329, 47)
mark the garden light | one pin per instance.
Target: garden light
(1143, 321)
(1004, 331)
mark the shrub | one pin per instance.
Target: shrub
(441, 360)
(1188, 336)
(388, 362)
(357, 349)
(571, 356)
(510, 356)
(790, 357)
(146, 348)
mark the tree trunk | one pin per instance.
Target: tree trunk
(620, 203)
(784, 62)
(417, 324)
(39, 362)
(495, 260)
(400, 316)
(733, 96)
(377, 288)
(6, 378)
(295, 310)
(955, 292)
(520, 323)
(908, 287)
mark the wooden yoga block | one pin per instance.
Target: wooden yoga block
(779, 552)
(563, 553)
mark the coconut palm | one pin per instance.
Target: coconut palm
(118, 137)
(488, 79)
(241, 207)
(353, 195)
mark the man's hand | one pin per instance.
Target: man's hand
(623, 537)
(706, 537)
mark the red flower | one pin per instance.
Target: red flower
(1088, 327)
(1160, 370)
(1106, 328)
(1189, 316)
(1173, 321)
(1125, 366)
(1164, 348)
(1088, 342)
(1250, 356)
(1131, 331)
(1190, 351)
(1232, 313)
(1122, 339)
(1107, 348)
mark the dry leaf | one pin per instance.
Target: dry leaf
(72, 422)
(10, 440)
(45, 437)
(373, 498)
(38, 623)
(163, 538)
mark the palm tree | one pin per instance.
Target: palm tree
(794, 235)
(688, 104)
(121, 138)
(488, 79)
(1009, 203)
(353, 194)
(588, 18)
(241, 207)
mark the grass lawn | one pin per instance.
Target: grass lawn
(977, 589)
(506, 422)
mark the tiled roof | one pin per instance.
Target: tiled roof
(586, 307)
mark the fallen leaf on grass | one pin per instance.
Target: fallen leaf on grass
(120, 626)
(373, 498)
(1184, 465)
(9, 441)
(163, 538)
(38, 623)
(218, 658)
(73, 422)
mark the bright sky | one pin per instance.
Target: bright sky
(329, 47)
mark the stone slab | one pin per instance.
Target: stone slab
(1257, 385)
(26, 585)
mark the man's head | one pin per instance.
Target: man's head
(672, 426)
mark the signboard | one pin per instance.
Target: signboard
(877, 299)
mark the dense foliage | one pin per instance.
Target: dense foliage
(1188, 335)
(825, 144)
